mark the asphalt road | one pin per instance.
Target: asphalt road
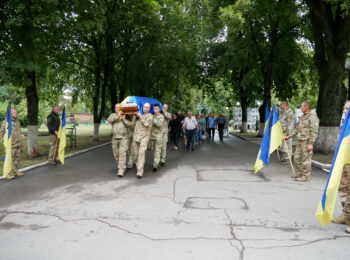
(205, 204)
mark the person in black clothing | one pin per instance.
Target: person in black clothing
(175, 130)
(53, 124)
(221, 122)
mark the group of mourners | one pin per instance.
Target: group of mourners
(193, 129)
(134, 134)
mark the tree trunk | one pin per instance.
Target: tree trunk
(331, 37)
(96, 136)
(32, 114)
(244, 107)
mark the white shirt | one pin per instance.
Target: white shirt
(190, 123)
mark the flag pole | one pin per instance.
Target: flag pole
(278, 154)
(289, 156)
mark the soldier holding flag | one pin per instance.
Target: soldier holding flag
(53, 124)
(10, 132)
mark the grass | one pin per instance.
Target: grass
(84, 140)
(323, 158)
(248, 134)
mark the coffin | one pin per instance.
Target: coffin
(129, 109)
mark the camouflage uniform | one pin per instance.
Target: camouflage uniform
(167, 118)
(16, 145)
(130, 149)
(306, 132)
(53, 124)
(140, 141)
(344, 190)
(287, 123)
(120, 141)
(156, 139)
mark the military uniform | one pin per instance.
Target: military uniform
(120, 141)
(16, 145)
(344, 194)
(141, 137)
(130, 149)
(156, 139)
(306, 133)
(167, 118)
(53, 124)
(287, 123)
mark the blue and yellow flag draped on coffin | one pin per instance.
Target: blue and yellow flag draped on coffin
(8, 143)
(62, 137)
(272, 139)
(140, 101)
(325, 209)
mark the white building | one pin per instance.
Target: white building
(252, 116)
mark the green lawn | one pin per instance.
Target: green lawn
(84, 140)
(323, 158)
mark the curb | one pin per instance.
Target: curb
(322, 166)
(67, 156)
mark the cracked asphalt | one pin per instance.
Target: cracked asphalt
(206, 204)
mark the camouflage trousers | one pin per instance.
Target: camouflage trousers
(54, 145)
(344, 190)
(120, 148)
(164, 147)
(156, 146)
(140, 154)
(346, 208)
(302, 159)
(130, 153)
(287, 145)
(16, 151)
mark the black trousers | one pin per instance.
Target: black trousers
(190, 135)
(211, 133)
(174, 136)
(221, 131)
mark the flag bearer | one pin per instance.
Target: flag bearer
(344, 187)
(16, 143)
(287, 124)
(306, 132)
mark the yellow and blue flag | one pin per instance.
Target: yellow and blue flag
(325, 209)
(8, 143)
(272, 139)
(267, 113)
(62, 137)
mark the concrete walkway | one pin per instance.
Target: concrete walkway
(205, 204)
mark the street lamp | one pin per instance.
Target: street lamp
(347, 67)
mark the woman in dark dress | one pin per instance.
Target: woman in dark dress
(175, 130)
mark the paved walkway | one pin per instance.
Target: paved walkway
(205, 204)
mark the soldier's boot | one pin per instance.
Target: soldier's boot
(302, 178)
(155, 168)
(347, 230)
(139, 175)
(57, 161)
(339, 220)
(162, 162)
(11, 175)
(121, 172)
(296, 175)
(19, 174)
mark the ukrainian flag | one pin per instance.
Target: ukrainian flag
(62, 137)
(267, 113)
(8, 143)
(324, 212)
(272, 139)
